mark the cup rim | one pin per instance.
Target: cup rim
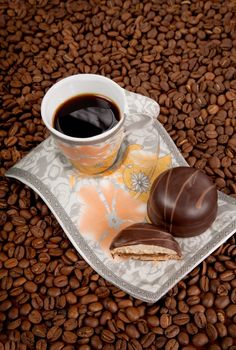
(86, 140)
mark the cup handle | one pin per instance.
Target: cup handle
(141, 125)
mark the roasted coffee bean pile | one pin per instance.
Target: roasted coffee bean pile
(51, 299)
(182, 53)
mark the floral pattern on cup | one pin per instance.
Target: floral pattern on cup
(93, 159)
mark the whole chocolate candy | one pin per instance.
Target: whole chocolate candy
(184, 201)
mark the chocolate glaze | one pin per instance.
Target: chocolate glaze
(145, 234)
(184, 201)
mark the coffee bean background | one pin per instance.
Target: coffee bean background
(182, 53)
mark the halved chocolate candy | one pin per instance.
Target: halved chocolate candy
(183, 201)
(145, 242)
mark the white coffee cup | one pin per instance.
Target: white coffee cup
(94, 154)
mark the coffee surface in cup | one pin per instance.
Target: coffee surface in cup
(86, 115)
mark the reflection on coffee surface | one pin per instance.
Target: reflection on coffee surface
(86, 116)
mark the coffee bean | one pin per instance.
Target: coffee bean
(91, 321)
(183, 307)
(165, 320)
(211, 316)
(85, 347)
(125, 303)
(172, 344)
(142, 327)
(222, 301)
(107, 336)
(221, 329)
(35, 316)
(69, 337)
(172, 331)
(121, 344)
(215, 347)
(193, 300)
(10, 263)
(183, 338)
(54, 333)
(214, 162)
(132, 313)
(111, 305)
(153, 321)
(181, 319)
(227, 276)
(197, 308)
(89, 298)
(200, 339)
(40, 330)
(60, 281)
(96, 342)
(160, 342)
(232, 330)
(193, 291)
(95, 307)
(71, 255)
(215, 283)
(221, 316)
(134, 344)
(30, 287)
(69, 325)
(147, 340)
(200, 319)
(211, 332)
(191, 328)
(132, 331)
(208, 299)
(27, 338)
(102, 292)
(226, 343)
(85, 332)
(231, 310)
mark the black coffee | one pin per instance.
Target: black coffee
(86, 115)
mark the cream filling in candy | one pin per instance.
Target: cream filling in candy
(146, 252)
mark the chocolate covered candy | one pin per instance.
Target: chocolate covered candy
(184, 201)
(145, 242)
